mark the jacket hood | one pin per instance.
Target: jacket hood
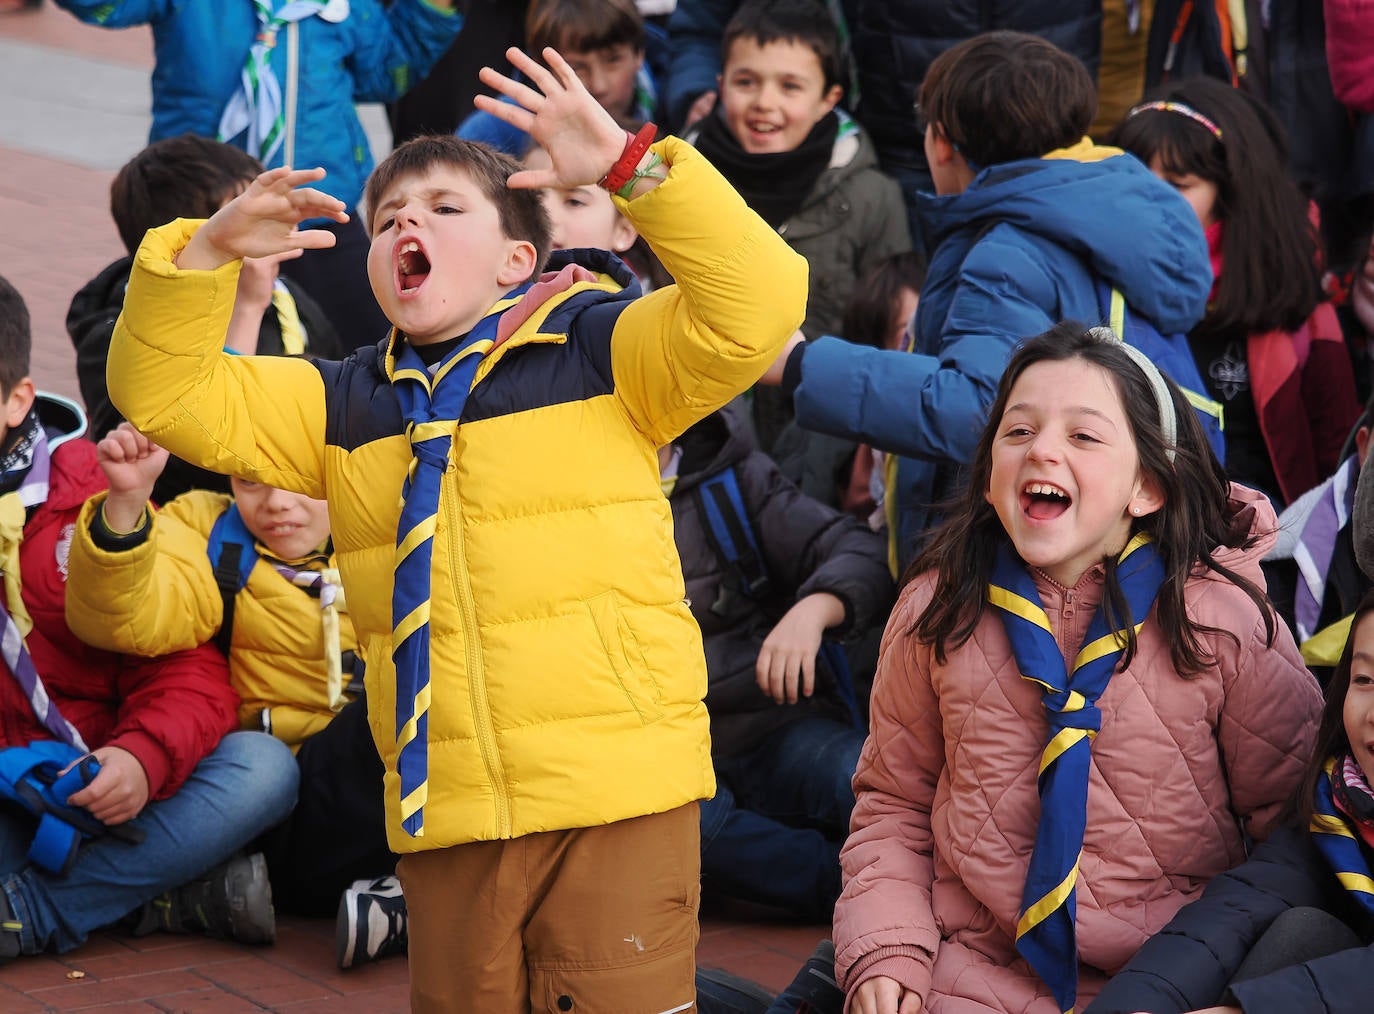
(1252, 514)
(1103, 205)
(715, 443)
(102, 296)
(62, 418)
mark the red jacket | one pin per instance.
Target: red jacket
(1350, 52)
(169, 712)
(1304, 391)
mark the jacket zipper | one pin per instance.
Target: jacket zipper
(477, 683)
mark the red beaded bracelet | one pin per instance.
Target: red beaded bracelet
(635, 147)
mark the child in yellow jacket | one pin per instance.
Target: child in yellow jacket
(535, 678)
(255, 574)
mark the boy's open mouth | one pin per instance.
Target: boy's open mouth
(1044, 501)
(412, 267)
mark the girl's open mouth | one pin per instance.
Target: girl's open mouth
(1044, 501)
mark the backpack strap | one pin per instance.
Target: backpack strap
(233, 555)
(1171, 354)
(732, 537)
(29, 776)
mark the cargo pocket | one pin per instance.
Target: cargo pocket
(625, 657)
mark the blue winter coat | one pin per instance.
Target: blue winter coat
(1015, 253)
(374, 54)
(1186, 965)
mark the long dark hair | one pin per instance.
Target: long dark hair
(1331, 736)
(1271, 277)
(1194, 521)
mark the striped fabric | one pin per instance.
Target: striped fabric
(1045, 934)
(1337, 840)
(256, 107)
(432, 406)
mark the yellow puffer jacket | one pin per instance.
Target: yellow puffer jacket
(567, 674)
(161, 596)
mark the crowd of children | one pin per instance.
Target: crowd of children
(555, 607)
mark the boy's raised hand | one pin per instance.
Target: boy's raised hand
(131, 463)
(582, 139)
(261, 221)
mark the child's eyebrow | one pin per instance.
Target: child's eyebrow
(1022, 406)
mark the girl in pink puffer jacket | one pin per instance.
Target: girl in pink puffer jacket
(1084, 706)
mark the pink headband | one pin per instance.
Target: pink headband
(1182, 110)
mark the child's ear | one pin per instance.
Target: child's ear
(831, 98)
(623, 234)
(519, 263)
(1147, 499)
(18, 402)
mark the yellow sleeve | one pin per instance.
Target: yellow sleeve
(685, 350)
(157, 597)
(259, 417)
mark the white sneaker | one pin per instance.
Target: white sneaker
(371, 923)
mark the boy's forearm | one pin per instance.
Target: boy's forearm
(124, 514)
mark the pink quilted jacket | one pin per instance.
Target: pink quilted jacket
(947, 805)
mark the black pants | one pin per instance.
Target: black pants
(1294, 938)
(337, 833)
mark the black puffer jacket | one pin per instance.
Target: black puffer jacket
(807, 547)
(1187, 965)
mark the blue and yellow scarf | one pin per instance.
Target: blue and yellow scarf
(1045, 934)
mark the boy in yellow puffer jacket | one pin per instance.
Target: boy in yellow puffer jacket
(255, 574)
(534, 676)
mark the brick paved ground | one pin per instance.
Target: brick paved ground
(72, 109)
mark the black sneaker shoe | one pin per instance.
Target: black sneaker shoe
(813, 990)
(371, 923)
(233, 901)
(9, 931)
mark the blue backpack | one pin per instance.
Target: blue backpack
(29, 777)
(732, 537)
(1173, 357)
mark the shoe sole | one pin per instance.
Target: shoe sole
(346, 943)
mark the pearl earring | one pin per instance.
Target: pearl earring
(1135, 511)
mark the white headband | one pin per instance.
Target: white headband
(1168, 421)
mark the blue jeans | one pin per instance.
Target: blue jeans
(773, 831)
(247, 784)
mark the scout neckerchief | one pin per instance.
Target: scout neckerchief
(432, 406)
(1337, 835)
(321, 581)
(257, 104)
(24, 473)
(1045, 934)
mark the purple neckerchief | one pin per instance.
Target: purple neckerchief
(1317, 542)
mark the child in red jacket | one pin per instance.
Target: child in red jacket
(175, 795)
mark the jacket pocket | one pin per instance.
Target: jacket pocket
(626, 658)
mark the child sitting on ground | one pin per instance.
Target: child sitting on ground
(254, 573)
(176, 796)
(534, 675)
(807, 168)
(1291, 928)
(1085, 707)
(769, 573)
(189, 177)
